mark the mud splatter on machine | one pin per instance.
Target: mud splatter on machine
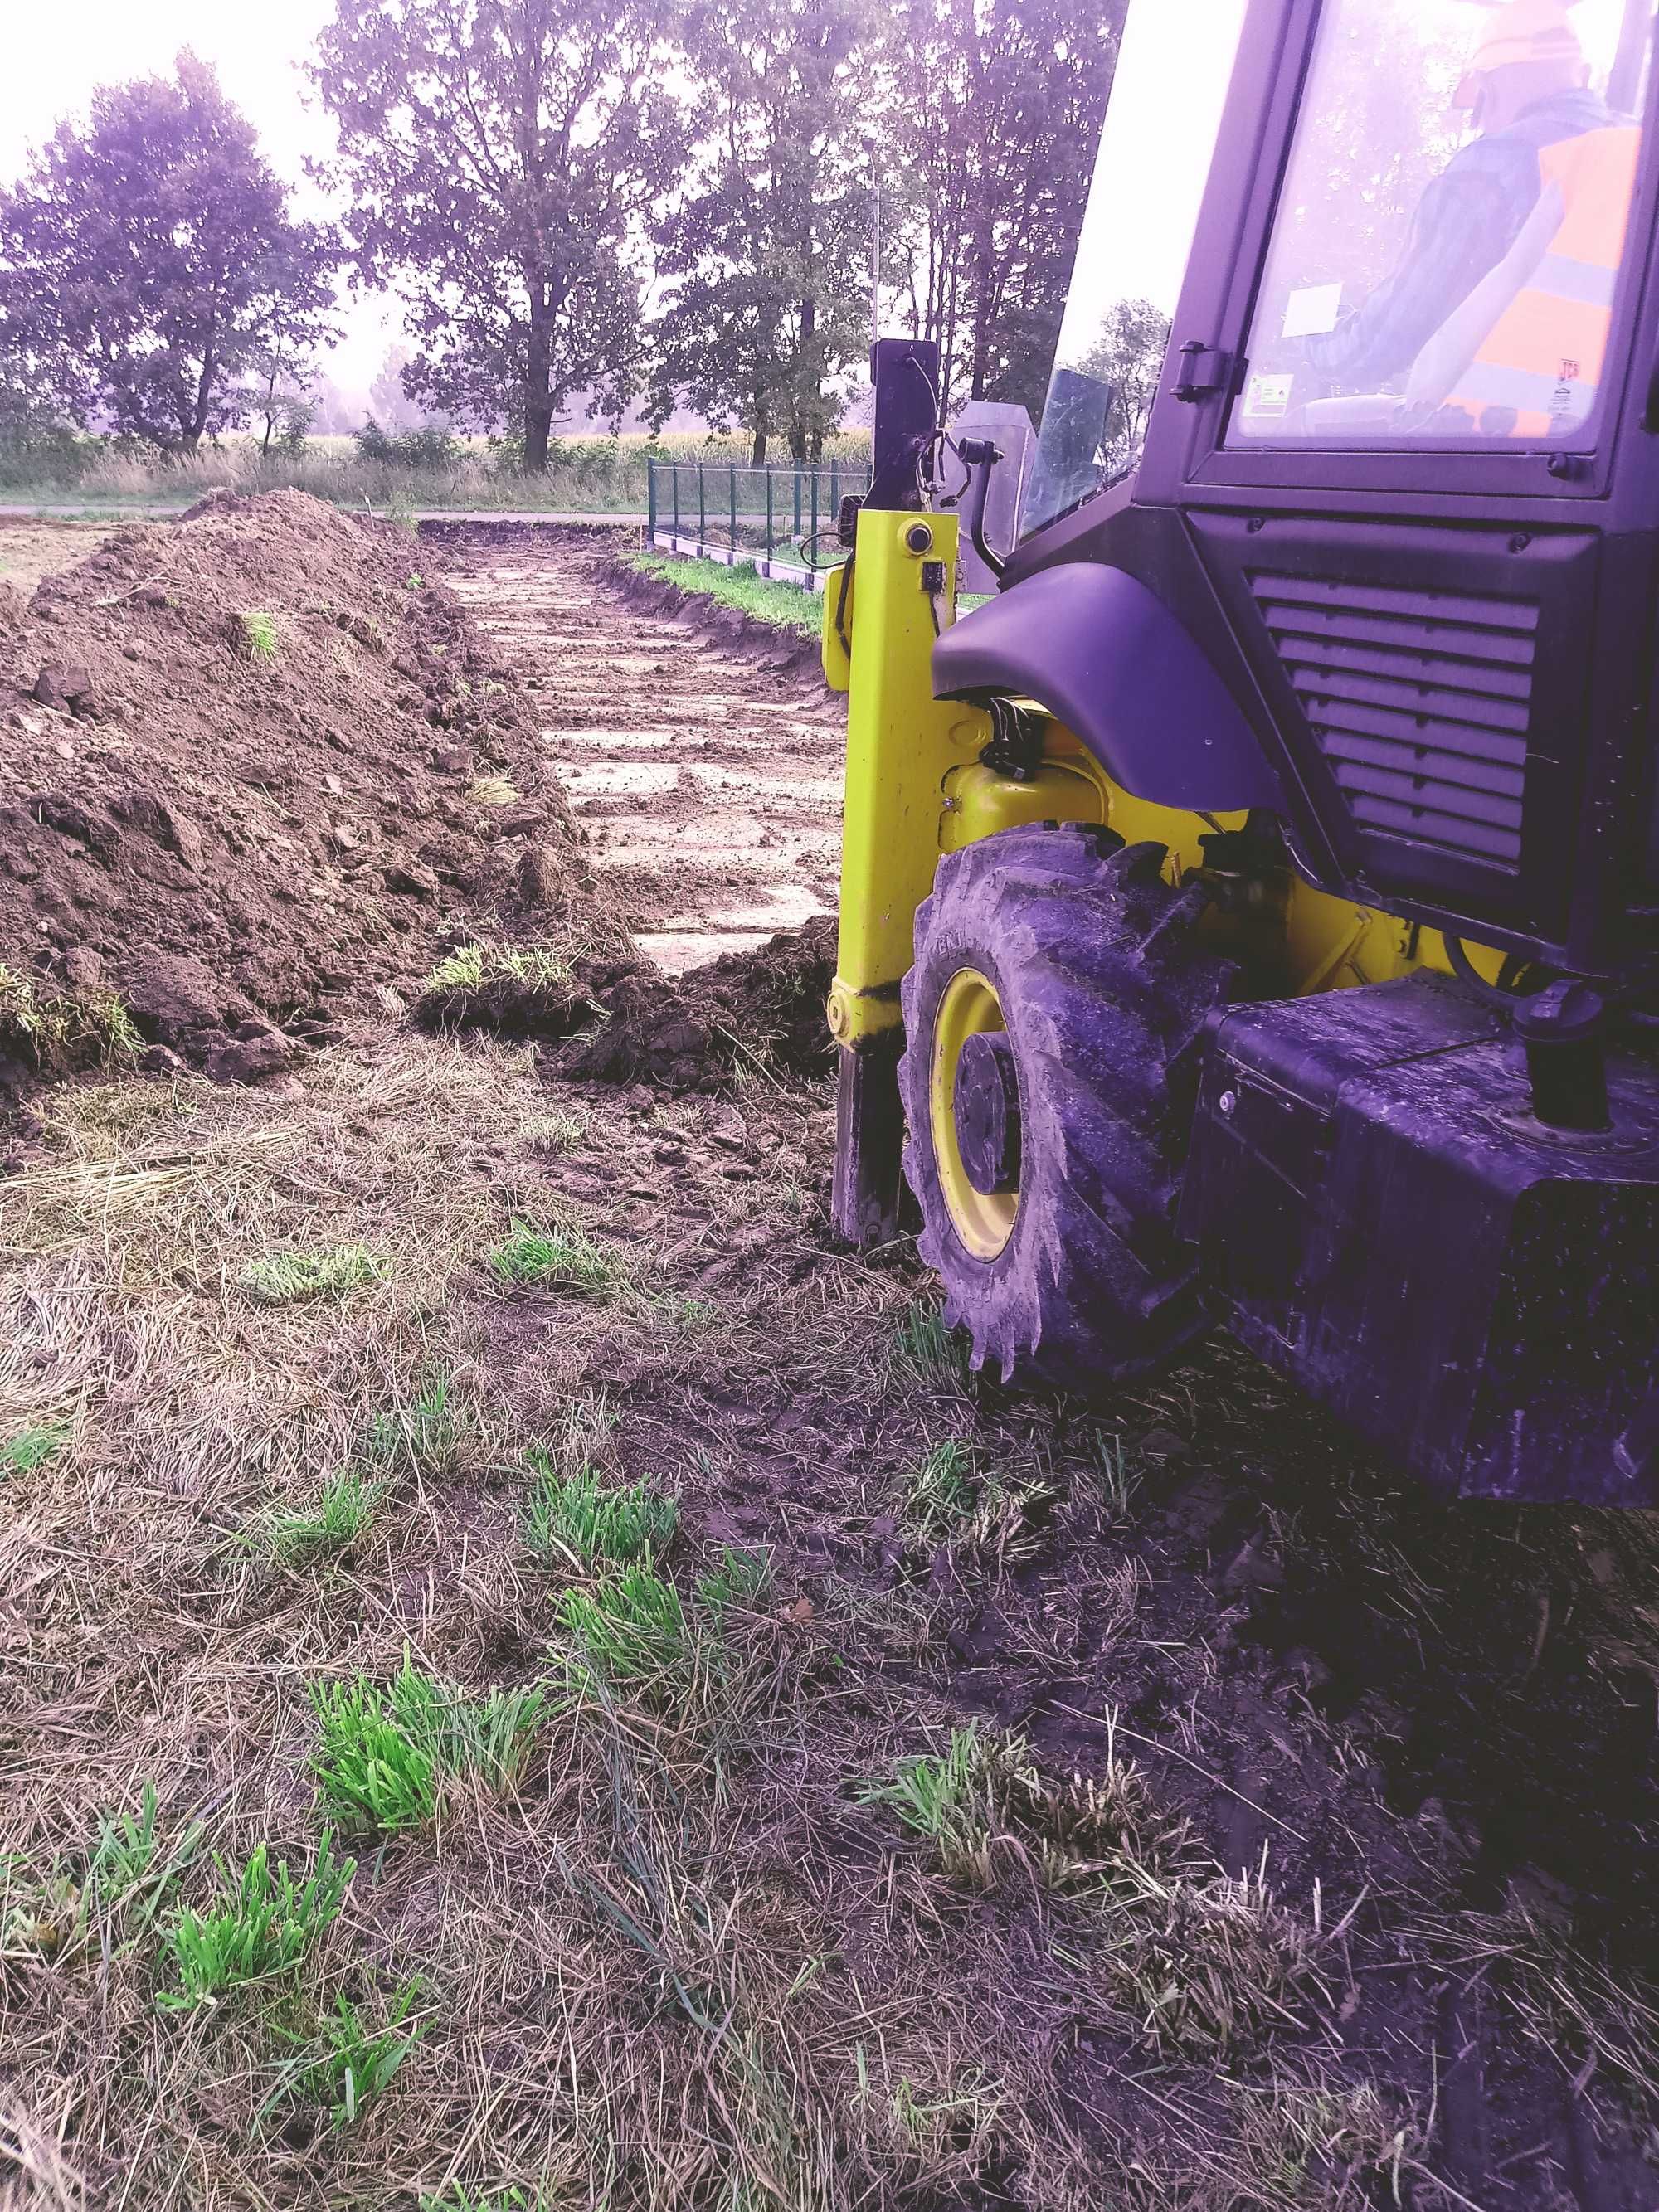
(1250, 915)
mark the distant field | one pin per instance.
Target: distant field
(587, 475)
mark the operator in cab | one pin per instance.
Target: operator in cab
(1527, 91)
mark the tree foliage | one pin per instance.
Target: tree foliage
(998, 116)
(1128, 355)
(149, 265)
(765, 255)
(390, 405)
(498, 155)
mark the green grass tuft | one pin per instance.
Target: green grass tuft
(553, 1134)
(57, 1031)
(928, 1351)
(260, 637)
(345, 1508)
(736, 1579)
(940, 1490)
(580, 1517)
(629, 1629)
(1118, 1480)
(264, 1924)
(463, 969)
(554, 1259)
(471, 966)
(942, 1797)
(286, 1279)
(538, 967)
(31, 1447)
(347, 2063)
(387, 1755)
(424, 1434)
(129, 1869)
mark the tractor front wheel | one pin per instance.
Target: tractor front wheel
(1053, 1019)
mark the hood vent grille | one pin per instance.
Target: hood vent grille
(1420, 701)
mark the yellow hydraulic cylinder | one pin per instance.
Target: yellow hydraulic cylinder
(902, 746)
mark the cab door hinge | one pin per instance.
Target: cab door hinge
(1203, 369)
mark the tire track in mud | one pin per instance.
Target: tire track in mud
(1449, 1709)
(709, 790)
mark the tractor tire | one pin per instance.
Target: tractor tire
(1052, 1021)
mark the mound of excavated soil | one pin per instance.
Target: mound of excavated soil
(623, 1021)
(251, 765)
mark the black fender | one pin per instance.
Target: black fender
(1105, 656)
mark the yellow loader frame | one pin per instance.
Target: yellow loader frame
(916, 788)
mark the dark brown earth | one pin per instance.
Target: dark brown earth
(244, 844)
(623, 1021)
(703, 771)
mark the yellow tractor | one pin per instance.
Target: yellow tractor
(1251, 913)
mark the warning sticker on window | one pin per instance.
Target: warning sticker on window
(1268, 395)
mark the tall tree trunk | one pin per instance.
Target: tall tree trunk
(196, 420)
(810, 388)
(538, 380)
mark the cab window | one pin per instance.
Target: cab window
(1452, 227)
(1162, 123)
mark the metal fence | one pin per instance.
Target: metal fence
(781, 519)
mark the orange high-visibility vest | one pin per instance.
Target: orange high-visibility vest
(1540, 363)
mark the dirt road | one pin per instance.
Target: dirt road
(709, 792)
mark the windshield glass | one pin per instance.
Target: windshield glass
(1173, 69)
(1448, 242)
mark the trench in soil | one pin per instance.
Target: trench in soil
(712, 808)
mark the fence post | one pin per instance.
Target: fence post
(769, 519)
(702, 506)
(795, 478)
(812, 543)
(650, 502)
(733, 505)
(675, 466)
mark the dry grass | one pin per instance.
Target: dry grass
(637, 1944)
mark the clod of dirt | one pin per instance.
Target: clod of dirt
(218, 779)
(762, 1009)
(756, 1010)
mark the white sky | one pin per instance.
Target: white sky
(1173, 69)
(57, 50)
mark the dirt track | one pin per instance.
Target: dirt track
(710, 793)
(685, 1962)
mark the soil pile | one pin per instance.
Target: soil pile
(623, 1021)
(249, 765)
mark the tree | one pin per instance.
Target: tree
(499, 155)
(764, 257)
(148, 260)
(1128, 355)
(337, 412)
(389, 403)
(1002, 104)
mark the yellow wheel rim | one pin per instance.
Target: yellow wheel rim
(967, 1007)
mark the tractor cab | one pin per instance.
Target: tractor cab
(1250, 915)
(1367, 392)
